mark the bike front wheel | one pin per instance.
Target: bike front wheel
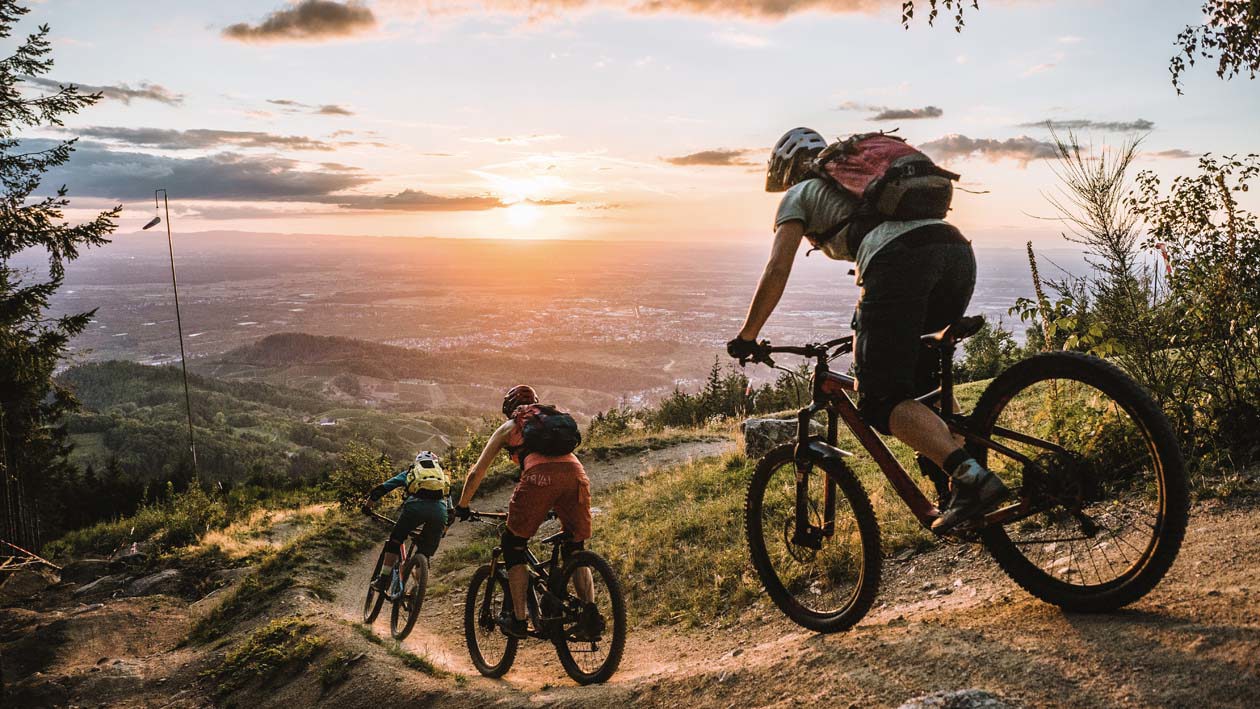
(826, 583)
(590, 634)
(1106, 479)
(492, 652)
(406, 610)
(374, 600)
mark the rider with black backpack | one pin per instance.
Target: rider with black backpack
(541, 440)
(876, 200)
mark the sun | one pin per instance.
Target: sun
(523, 214)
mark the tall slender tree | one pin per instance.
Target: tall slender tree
(33, 441)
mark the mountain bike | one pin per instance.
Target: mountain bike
(409, 579)
(1100, 499)
(587, 627)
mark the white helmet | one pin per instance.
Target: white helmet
(426, 459)
(792, 158)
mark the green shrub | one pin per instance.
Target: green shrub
(359, 469)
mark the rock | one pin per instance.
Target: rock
(103, 586)
(760, 435)
(85, 570)
(21, 585)
(131, 556)
(168, 581)
(959, 699)
(225, 576)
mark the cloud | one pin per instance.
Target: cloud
(1039, 69)
(1140, 124)
(329, 109)
(306, 20)
(516, 140)
(743, 40)
(885, 113)
(419, 201)
(1173, 154)
(720, 157)
(199, 138)
(143, 91)
(1022, 149)
(96, 171)
(755, 9)
(1070, 39)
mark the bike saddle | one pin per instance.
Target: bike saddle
(960, 329)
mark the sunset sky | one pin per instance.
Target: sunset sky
(603, 119)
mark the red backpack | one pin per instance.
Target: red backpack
(892, 178)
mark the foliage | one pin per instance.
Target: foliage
(1230, 33)
(359, 469)
(1212, 327)
(33, 443)
(986, 353)
(279, 645)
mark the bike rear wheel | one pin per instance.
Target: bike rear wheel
(374, 600)
(492, 652)
(1112, 486)
(590, 636)
(415, 576)
(825, 589)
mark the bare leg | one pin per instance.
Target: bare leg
(584, 585)
(920, 428)
(518, 581)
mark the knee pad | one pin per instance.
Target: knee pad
(514, 548)
(393, 546)
(875, 411)
(568, 549)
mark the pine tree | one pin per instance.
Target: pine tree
(33, 439)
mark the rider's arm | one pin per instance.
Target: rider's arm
(497, 440)
(787, 239)
(381, 490)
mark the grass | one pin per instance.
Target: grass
(336, 670)
(313, 559)
(395, 649)
(281, 644)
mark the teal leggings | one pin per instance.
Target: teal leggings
(429, 516)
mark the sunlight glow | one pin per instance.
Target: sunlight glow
(523, 214)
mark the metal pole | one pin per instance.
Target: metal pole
(179, 326)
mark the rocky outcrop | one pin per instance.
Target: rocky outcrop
(84, 570)
(168, 582)
(21, 585)
(760, 435)
(103, 586)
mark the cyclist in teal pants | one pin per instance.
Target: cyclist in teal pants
(427, 487)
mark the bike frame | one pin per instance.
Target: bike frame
(831, 393)
(540, 576)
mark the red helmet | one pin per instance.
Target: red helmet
(519, 395)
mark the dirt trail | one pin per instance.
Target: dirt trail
(945, 619)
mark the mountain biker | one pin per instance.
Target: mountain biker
(916, 277)
(546, 483)
(426, 487)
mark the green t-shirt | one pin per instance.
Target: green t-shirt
(820, 204)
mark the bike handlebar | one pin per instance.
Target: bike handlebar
(841, 345)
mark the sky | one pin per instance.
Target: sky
(599, 119)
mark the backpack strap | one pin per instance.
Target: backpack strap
(854, 238)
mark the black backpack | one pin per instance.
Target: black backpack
(548, 430)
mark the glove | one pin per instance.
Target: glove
(742, 349)
(366, 506)
(462, 513)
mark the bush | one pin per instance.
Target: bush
(283, 643)
(359, 469)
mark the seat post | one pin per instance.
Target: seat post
(946, 404)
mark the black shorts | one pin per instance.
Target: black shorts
(918, 283)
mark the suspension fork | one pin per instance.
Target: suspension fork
(803, 533)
